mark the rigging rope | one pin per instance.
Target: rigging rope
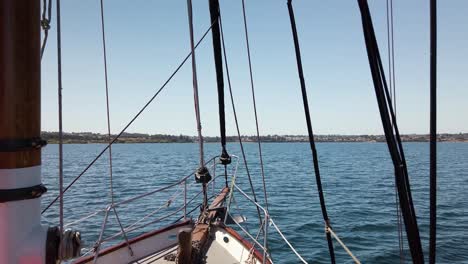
(433, 134)
(109, 137)
(310, 131)
(356, 260)
(214, 15)
(195, 82)
(107, 101)
(60, 119)
(236, 121)
(287, 242)
(129, 123)
(45, 22)
(254, 104)
(392, 134)
(393, 60)
(391, 79)
(202, 175)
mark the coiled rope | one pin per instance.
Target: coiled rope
(70, 245)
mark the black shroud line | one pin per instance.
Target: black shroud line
(309, 130)
(214, 14)
(392, 135)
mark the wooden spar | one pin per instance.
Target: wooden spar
(20, 93)
(22, 237)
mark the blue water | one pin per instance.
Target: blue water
(357, 181)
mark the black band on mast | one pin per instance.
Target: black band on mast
(391, 134)
(14, 145)
(11, 195)
(214, 14)
(309, 130)
(433, 135)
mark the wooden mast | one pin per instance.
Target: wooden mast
(20, 93)
(22, 237)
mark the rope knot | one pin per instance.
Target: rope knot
(45, 24)
(225, 159)
(202, 175)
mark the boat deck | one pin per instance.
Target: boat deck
(221, 244)
(216, 254)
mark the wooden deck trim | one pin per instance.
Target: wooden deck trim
(131, 241)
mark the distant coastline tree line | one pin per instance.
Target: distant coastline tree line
(89, 137)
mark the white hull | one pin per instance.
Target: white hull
(226, 246)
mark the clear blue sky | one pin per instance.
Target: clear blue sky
(146, 40)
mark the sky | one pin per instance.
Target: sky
(147, 39)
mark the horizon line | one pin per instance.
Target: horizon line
(264, 135)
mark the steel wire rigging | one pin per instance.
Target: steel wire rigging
(109, 136)
(254, 102)
(310, 131)
(202, 175)
(224, 158)
(60, 115)
(433, 134)
(392, 86)
(391, 134)
(385, 94)
(239, 137)
(162, 87)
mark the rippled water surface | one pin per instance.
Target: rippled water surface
(357, 180)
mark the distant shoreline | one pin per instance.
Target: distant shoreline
(94, 138)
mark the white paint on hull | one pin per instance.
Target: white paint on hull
(235, 248)
(142, 248)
